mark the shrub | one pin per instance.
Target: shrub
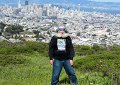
(114, 47)
(23, 47)
(11, 59)
(83, 50)
(98, 49)
(106, 62)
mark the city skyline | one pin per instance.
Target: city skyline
(85, 5)
(87, 28)
(49, 1)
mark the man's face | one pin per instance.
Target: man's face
(61, 31)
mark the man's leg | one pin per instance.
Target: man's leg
(57, 67)
(70, 71)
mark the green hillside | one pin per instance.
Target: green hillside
(27, 63)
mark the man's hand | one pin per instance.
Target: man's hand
(71, 62)
(51, 62)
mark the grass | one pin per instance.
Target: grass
(37, 71)
(26, 63)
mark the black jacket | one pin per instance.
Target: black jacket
(54, 53)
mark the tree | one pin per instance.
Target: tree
(36, 32)
(0, 33)
(2, 25)
(14, 29)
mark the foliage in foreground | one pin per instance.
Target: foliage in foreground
(107, 62)
(27, 61)
(7, 48)
(37, 71)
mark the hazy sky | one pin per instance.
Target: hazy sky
(107, 0)
(31, 1)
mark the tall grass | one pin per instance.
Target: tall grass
(23, 48)
(27, 63)
(37, 71)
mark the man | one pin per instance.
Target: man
(61, 54)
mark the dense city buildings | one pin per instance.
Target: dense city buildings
(86, 28)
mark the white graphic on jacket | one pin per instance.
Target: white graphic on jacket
(61, 43)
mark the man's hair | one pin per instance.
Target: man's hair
(62, 28)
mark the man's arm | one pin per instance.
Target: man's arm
(51, 46)
(72, 52)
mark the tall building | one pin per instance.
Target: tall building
(26, 2)
(78, 7)
(19, 4)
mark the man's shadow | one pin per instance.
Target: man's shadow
(65, 81)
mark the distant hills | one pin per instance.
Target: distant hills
(67, 1)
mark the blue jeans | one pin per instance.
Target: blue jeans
(57, 67)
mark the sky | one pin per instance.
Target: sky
(32, 1)
(107, 0)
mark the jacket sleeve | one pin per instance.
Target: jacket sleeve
(72, 52)
(51, 47)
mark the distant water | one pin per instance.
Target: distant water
(14, 3)
(89, 9)
(102, 11)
